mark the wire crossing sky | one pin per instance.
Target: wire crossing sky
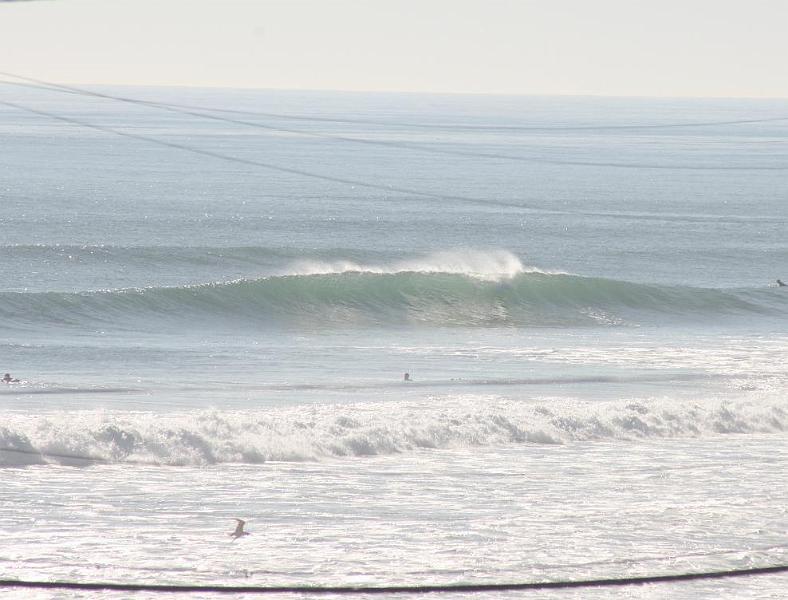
(207, 114)
(705, 48)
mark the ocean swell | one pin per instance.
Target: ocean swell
(446, 289)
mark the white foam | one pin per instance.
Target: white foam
(367, 429)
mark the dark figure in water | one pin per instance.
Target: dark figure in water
(406, 377)
(8, 379)
(781, 284)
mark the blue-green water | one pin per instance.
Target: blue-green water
(211, 293)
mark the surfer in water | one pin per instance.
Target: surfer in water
(8, 379)
(781, 284)
(406, 377)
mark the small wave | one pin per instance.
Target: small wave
(445, 289)
(335, 431)
(430, 384)
(26, 387)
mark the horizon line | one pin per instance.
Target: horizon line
(423, 92)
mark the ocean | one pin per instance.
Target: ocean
(210, 299)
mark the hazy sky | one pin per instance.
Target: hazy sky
(609, 47)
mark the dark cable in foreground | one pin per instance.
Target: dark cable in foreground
(393, 589)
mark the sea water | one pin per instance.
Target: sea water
(211, 314)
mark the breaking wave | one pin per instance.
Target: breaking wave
(334, 431)
(444, 289)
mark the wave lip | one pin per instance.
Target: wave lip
(494, 265)
(484, 289)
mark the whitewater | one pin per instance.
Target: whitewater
(582, 291)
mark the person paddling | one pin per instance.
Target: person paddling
(781, 284)
(8, 379)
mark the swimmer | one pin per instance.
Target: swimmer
(406, 377)
(781, 284)
(8, 379)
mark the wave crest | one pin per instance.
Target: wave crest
(443, 289)
(492, 265)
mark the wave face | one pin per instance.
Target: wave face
(444, 289)
(330, 431)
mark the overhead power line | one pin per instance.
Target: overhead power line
(206, 114)
(390, 123)
(273, 167)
